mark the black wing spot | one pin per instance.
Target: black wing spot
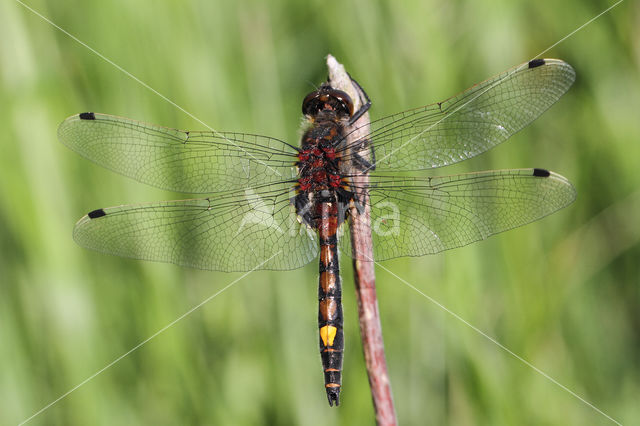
(96, 214)
(87, 116)
(536, 63)
(541, 173)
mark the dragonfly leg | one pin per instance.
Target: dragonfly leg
(362, 164)
(366, 103)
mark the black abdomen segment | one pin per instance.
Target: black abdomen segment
(330, 320)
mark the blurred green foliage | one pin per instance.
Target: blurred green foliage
(562, 293)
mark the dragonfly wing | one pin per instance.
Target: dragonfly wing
(241, 231)
(421, 215)
(470, 123)
(177, 160)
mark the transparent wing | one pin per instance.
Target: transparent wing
(177, 160)
(470, 123)
(422, 215)
(241, 231)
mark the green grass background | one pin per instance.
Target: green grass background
(563, 293)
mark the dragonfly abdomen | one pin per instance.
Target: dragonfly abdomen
(330, 320)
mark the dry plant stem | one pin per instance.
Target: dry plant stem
(370, 328)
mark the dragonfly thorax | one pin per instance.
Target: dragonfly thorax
(319, 177)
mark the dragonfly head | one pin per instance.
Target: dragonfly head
(327, 101)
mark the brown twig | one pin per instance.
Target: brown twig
(363, 265)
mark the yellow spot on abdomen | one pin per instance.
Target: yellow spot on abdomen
(327, 334)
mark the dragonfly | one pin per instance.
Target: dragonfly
(272, 205)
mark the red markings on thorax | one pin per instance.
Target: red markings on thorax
(317, 160)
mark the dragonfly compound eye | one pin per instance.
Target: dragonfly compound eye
(327, 99)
